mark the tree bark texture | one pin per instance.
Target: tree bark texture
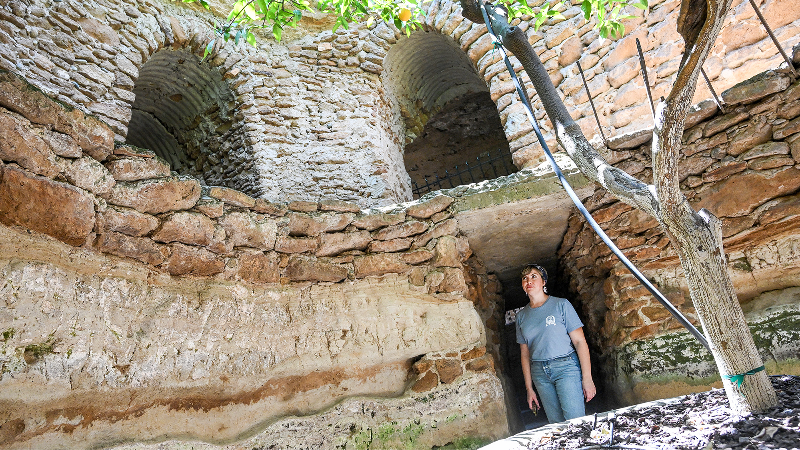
(696, 237)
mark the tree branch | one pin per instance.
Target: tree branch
(671, 114)
(569, 135)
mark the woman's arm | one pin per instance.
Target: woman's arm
(525, 355)
(579, 341)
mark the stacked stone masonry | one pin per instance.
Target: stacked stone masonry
(743, 165)
(123, 201)
(310, 118)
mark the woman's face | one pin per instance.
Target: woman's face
(532, 282)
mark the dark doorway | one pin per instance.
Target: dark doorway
(463, 143)
(453, 132)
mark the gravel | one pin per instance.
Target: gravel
(696, 421)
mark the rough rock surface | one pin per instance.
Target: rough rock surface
(107, 344)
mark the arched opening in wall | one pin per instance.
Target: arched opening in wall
(184, 112)
(515, 299)
(453, 131)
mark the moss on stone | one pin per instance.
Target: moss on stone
(34, 352)
(522, 185)
(8, 334)
(679, 357)
(742, 264)
(465, 443)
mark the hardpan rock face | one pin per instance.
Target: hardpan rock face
(102, 352)
(141, 306)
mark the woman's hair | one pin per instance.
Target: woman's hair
(531, 267)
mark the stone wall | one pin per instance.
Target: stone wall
(743, 165)
(285, 113)
(142, 306)
(317, 116)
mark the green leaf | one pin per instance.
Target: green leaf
(209, 47)
(250, 10)
(539, 21)
(237, 7)
(262, 6)
(251, 38)
(586, 7)
(620, 29)
(277, 31)
(604, 31)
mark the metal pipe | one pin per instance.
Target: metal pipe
(591, 103)
(772, 35)
(644, 75)
(713, 92)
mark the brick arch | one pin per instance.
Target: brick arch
(187, 110)
(424, 72)
(182, 111)
(444, 17)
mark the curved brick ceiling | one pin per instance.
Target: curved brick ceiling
(427, 70)
(180, 105)
(452, 123)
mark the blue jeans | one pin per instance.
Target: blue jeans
(560, 386)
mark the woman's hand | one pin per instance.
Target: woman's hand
(589, 390)
(531, 400)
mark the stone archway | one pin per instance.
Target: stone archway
(451, 122)
(184, 112)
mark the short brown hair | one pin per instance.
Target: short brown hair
(530, 267)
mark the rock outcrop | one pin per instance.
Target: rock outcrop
(160, 309)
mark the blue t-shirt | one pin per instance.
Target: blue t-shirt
(546, 329)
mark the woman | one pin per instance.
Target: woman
(555, 356)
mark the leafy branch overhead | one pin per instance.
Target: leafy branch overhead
(407, 15)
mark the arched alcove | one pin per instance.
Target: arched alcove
(184, 112)
(452, 125)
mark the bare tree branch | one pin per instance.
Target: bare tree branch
(626, 187)
(700, 30)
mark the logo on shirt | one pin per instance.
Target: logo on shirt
(551, 320)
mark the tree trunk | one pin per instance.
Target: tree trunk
(696, 236)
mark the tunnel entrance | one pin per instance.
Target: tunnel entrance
(453, 133)
(184, 111)
(515, 299)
